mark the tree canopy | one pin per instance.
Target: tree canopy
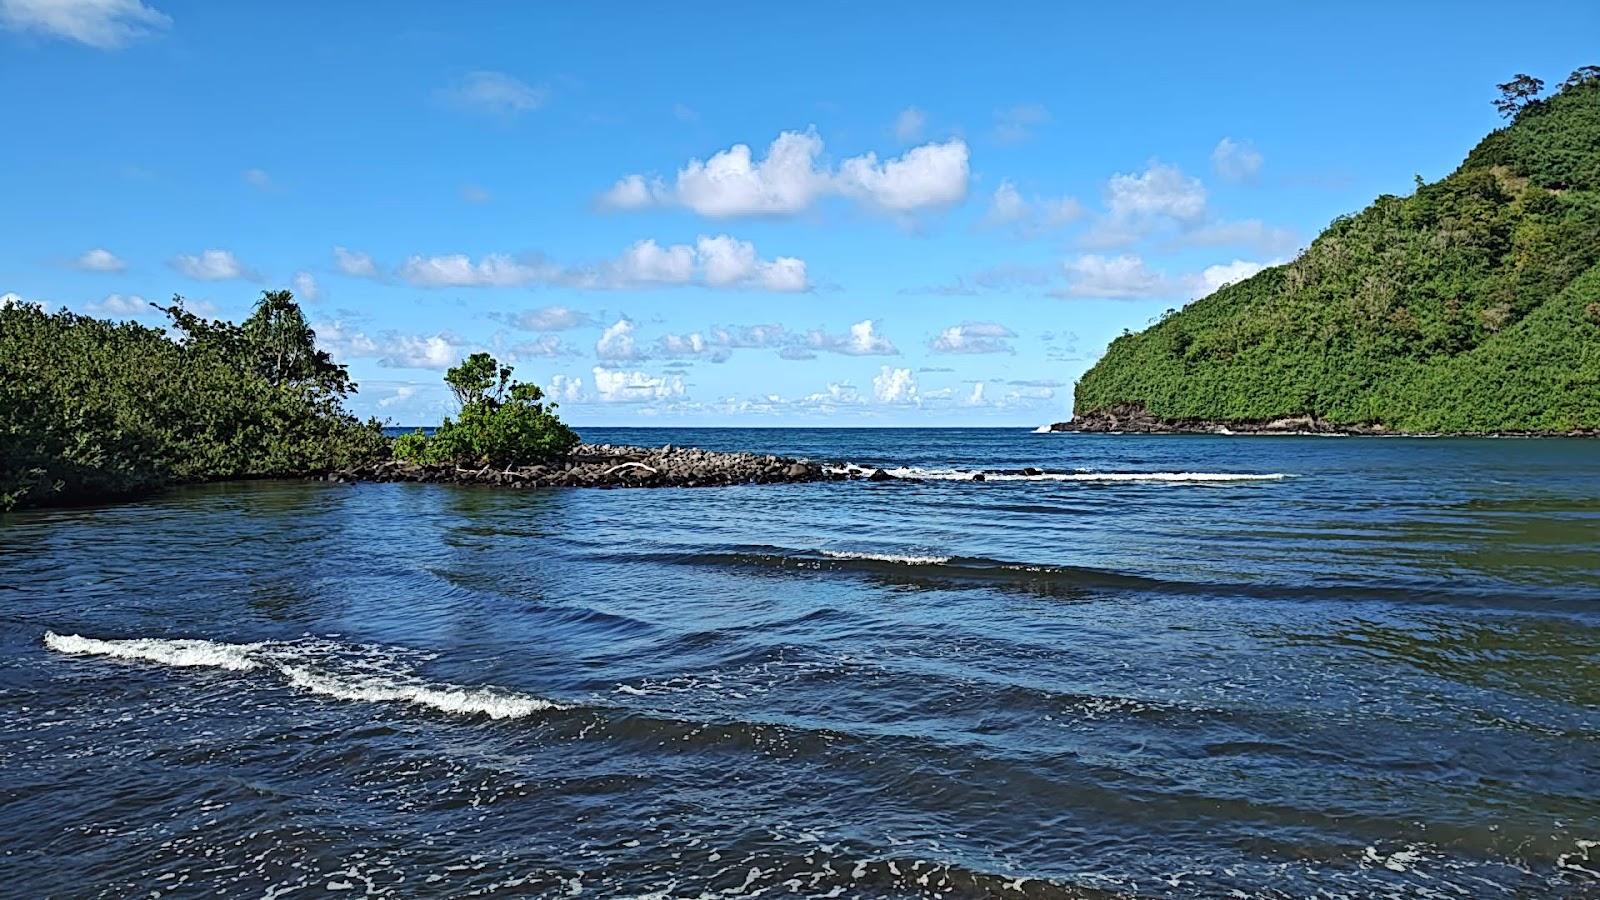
(1472, 305)
(501, 422)
(93, 410)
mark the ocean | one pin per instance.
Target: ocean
(1155, 666)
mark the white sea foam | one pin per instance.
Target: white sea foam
(908, 559)
(392, 687)
(1042, 429)
(932, 474)
(445, 698)
(182, 652)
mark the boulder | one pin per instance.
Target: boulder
(880, 475)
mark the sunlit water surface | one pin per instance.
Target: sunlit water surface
(1372, 670)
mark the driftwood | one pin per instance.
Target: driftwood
(631, 465)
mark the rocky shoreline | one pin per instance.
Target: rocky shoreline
(1128, 419)
(612, 466)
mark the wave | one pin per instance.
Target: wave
(908, 559)
(919, 473)
(288, 661)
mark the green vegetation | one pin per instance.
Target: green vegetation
(502, 422)
(93, 410)
(1472, 305)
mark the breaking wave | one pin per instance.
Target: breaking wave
(942, 474)
(289, 661)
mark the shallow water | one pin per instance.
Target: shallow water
(1372, 669)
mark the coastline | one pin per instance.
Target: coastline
(1135, 420)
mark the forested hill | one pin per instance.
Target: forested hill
(1472, 305)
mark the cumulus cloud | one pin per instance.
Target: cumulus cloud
(566, 388)
(1015, 124)
(617, 343)
(1159, 191)
(1029, 218)
(1236, 160)
(894, 386)
(634, 192)
(974, 337)
(401, 394)
(862, 340)
(551, 318)
(458, 270)
(1126, 277)
(789, 179)
(717, 344)
(733, 183)
(494, 93)
(391, 349)
(622, 386)
(12, 299)
(125, 305)
(351, 262)
(1252, 233)
(105, 24)
(909, 124)
(1122, 277)
(715, 262)
(211, 265)
(99, 260)
(304, 285)
(930, 176)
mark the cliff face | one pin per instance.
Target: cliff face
(1472, 306)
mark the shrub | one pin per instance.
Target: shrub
(501, 423)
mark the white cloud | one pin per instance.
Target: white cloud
(894, 386)
(1160, 191)
(620, 386)
(929, 176)
(633, 192)
(458, 270)
(1214, 277)
(105, 24)
(646, 262)
(718, 344)
(909, 124)
(258, 179)
(474, 194)
(304, 285)
(552, 318)
(974, 337)
(731, 183)
(1122, 277)
(727, 262)
(211, 265)
(1016, 124)
(123, 305)
(617, 344)
(565, 388)
(401, 394)
(1127, 278)
(862, 340)
(1009, 209)
(99, 260)
(495, 93)
(544, 346)
(1252, 233)
(1236, 160)
(351, 262)
(391, 350)
(789, 180)
(685, 113)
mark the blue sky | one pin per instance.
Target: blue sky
(830, 214)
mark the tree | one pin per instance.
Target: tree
(1517, 94)
(1581, 76)
(501, 423)
(284, 348)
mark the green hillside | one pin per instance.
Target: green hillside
(1472, 305)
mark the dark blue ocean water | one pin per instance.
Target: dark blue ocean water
(1169, 666)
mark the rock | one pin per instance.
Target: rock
(979, 477)
(1030, 470)
(880, 475)
(798, 471)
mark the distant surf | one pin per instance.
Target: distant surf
(953, 474)
(295, 664)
